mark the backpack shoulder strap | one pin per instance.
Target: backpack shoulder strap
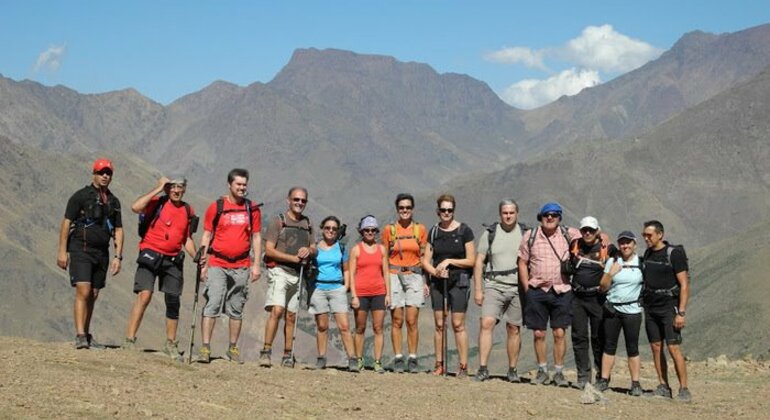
(532, 237)
(432, 234)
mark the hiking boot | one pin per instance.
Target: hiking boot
(541, 378)
(320, 363)
(287, 361)
(81, 342)
(513, 376)
(264, 358)
(398, 365)
(411, 365)
(233, 354)
(204, 354)
(378, 367)
(559, 380)
(602, 385)
(353, 365)
(129, 344)
(684, 395)
(580, 384)
(439, 369)
(171, 349)
(462, 371)
(93, 344)
(360, 364)
(481, 375)
(662, 390)
(636, 389)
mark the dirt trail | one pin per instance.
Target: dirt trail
(53, 380)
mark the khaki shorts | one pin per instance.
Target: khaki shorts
(282, 290)
(227, 290)
(325, 301)
(406, 289)
(502, 302)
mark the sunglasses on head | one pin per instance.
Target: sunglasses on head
(446, 210)
(299, 200)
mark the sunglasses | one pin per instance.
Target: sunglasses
(587, 230)
(104, 172)
(331, 228)
(299, 200)
(552, 215)
(446, 210)
(370, 230)
(404, 208)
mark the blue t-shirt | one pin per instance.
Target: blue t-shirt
(626, 285)
(329, 267)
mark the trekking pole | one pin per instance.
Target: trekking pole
(299, 306)
(197, 261)
(445, 344)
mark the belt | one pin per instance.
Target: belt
(401, 269)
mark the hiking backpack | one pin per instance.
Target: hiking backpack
(248, 208)
(491, 230)
(145, 223)
(393, 237)
(674, 290)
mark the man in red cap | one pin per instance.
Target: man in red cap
(91, 219)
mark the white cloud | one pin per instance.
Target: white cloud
(603, 48)
(528, 57)
(532, 93)
(50, 59)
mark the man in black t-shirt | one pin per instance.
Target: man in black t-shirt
(666, 292)
(588, 254)
(91, 219)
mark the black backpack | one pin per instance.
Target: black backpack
(145, 223)
(491, 230)
(248, 208)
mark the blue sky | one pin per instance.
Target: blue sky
(528, 52)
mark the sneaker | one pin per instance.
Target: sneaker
(81, 342)
(684, 395)
(171, 349)
(360, 364)
(662, 390)
(129, 344)
(287, 361)
(233, 354)
(353, 365)
(513, 376)
(378, 367)
(481, 375)
(580, 384)
(264, 358)
(411, 365)
(320, 363)
(439, 370)
(93, 344)
(602, 385)
(636, 389)
(462, 371)
(204, 354)
(559, 380)
(541, 378)
(398, 365)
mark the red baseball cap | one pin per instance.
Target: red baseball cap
(102, 163)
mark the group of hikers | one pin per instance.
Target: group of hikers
(534, 277)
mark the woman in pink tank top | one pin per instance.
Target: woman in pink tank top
(370, 292)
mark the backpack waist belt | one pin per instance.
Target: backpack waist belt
(580, 289)
(491, 274)
(340, 281)
(235, 259)
(415, 269)
(672, 292)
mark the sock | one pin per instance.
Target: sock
(543, 366)
(233, 345)
(412, 355)
(207, 345)
(267, 346)
(558, 368)
(399, 356)
(482, 367)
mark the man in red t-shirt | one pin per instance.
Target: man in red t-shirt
(233, 243)
(161, 255)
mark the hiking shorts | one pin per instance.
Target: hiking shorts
(89, 266)
(169, 275)
(326, 301)
(659, 323)
(457, 297)
(371, 303)
(544, 306)
(501, 301)
(282, 290)
(406, 289)
(227, 290)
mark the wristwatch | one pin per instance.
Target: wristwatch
(119, 257)
(680, 313)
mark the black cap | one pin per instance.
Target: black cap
(627, 234)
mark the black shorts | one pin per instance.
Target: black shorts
(544, 306)
(169, 275)
(457, 297)
(89, 266)
(659, 323)
(371, 303)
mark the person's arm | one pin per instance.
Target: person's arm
(478, 278)
(256, 248)
(385, 272)
(346, 273)
(352, 268)
(118, 259)
(141, 203)
(189, 246)
(427, 261)
(606, 281)
(62, 258)
(205, 242)
(523, 273)
(684, 294)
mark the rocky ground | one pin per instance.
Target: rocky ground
(46, 380)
